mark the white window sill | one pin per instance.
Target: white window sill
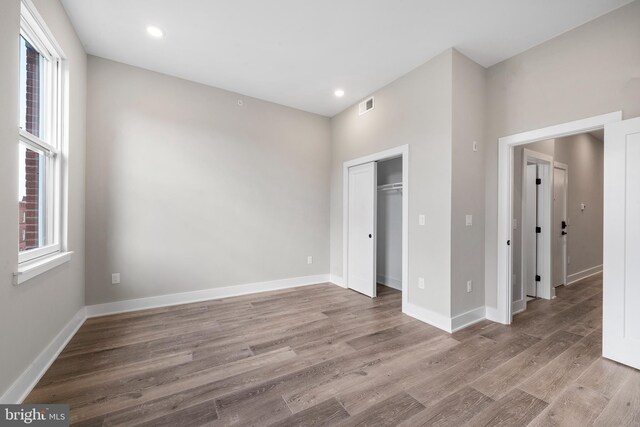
(31, 269)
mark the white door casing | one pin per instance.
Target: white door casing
(503, 311)
(362, 227)
(621, 299)
(559, 234)
(529, 222)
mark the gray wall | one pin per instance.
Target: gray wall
(187, 190)
(467, 180)
(33, 313)
(416, 110)
(585, 156)
(593, 69)
(389, 225)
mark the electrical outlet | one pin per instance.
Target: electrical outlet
(309, 260)
(469, 286)
(421, 282)
(115, 278)
(568, 259)
(469, 220)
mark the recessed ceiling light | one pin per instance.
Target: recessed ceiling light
(339, 93)
(155, 31)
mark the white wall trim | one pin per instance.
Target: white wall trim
(390, 282)
(505, 183)
(30, 377)
(576, 277)
(402, 150)
(519, 306)
(31, 269)
(202, 295)
(491, 313)
(469, 318)
(545, 288)
(427, 316)
(337, 280)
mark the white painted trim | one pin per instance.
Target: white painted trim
(492, 314)
(565, 208)
(391, 153)
(337, 280)
(469, 318)
(34, 268)
(427, 316)
(519, 306)
(580, 275)
(30, 377)
(203, 295)
(445, 323)
(505, 180)
(389, 281)
(545, 287)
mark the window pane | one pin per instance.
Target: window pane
(31, 198)
(31, 89)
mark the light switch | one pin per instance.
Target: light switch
(115, 278)
(309, 260)
(422, 220)
(469, 220)
(475, 145)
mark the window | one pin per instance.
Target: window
(40, 156)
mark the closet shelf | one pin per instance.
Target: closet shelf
(397, 186)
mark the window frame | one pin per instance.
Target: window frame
(50, 142)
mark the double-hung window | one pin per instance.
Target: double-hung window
(40, 141)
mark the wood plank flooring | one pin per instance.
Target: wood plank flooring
(324, 356)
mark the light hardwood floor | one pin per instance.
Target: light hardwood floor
(322, 355)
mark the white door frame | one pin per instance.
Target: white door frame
(505, 182)
(401, 151)
(565, 167)
(545, 287)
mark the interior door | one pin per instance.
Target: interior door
(559, 229)
(621, 302)
(529, 222)
(361, 269)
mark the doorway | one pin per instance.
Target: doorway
(375, 222)
(506, 146)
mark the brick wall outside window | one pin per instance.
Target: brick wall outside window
(29, 206)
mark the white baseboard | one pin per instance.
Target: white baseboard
(337, 280)
(492, 314)
(30, 377)
(576, 277)
(390, 282)
(463, 320)
(203, 295)
(427, 316)
(519, 306)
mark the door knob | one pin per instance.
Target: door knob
(564, 233)
(369, 235)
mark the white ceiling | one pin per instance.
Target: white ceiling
(297, 52)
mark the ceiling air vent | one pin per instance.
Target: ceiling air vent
(366, 106)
